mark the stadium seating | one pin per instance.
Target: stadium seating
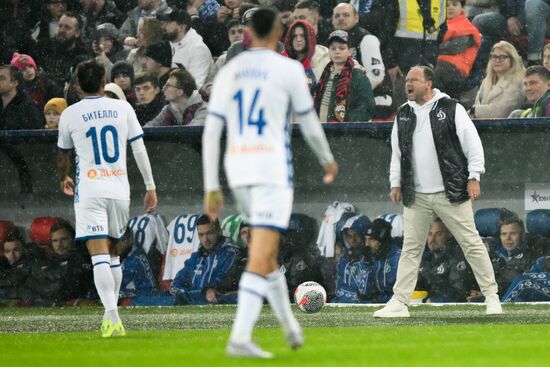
(538, 222)
(488, 220)
(40, 230)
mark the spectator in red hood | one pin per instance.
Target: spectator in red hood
(300, 43)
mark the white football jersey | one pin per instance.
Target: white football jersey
(183, 241)
(149, 229)
(99, 128)
(256, 93)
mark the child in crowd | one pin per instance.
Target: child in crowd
(343, 93)
(52, 111)
(35, 83)
(459, 44)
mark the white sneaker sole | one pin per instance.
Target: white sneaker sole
(384, 314)
(244, 351)
(494, 312)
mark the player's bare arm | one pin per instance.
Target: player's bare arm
(213, 203)
(150, 201)
(63, 167)
(331, 171)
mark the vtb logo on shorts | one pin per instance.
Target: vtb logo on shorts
(92, 173)
(97, 228)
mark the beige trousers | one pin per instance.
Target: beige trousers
(459, 219)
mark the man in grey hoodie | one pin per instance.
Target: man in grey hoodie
(185, 105)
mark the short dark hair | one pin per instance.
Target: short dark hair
(14, 237)
(90, 75)
(146, 77)
(62, 224)
(429, 73)
(79, 21)
(15, 74)
(205, 219)
(263, 21)
(512, 220)
(308, 4)
(539, 70)
(185, 81)
(233, 23)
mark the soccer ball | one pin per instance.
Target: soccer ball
(310, 297)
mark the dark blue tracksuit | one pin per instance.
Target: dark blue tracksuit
(203, 270)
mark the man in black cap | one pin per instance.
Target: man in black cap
(158, 60)
(190, 51)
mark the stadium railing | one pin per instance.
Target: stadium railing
(516, 156)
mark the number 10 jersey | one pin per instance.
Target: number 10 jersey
(99, 128)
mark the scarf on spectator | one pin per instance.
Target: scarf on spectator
(311, 43)
(343, 86)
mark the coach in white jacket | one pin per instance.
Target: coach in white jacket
(437, 160)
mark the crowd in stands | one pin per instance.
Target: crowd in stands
(196, 261)
(162, 56)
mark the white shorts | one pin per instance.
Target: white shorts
(265, 206)
(101, 218)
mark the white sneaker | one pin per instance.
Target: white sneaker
(393, 308)
(249, 349)
(493, 306)
(295, 339)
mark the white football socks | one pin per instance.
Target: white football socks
(277, 296)
(105, 285)
(252, 290)
(116, 269)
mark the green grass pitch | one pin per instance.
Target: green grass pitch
(337, 336)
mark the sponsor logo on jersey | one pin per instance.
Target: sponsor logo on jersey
(180, 252)
(264, 215)
(93, 173)
(246, 149)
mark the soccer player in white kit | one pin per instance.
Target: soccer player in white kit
(98, 129)
(255, 94)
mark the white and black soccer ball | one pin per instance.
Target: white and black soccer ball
(310, 297)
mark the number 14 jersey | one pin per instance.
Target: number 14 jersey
(99, 128)
(256, 94)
